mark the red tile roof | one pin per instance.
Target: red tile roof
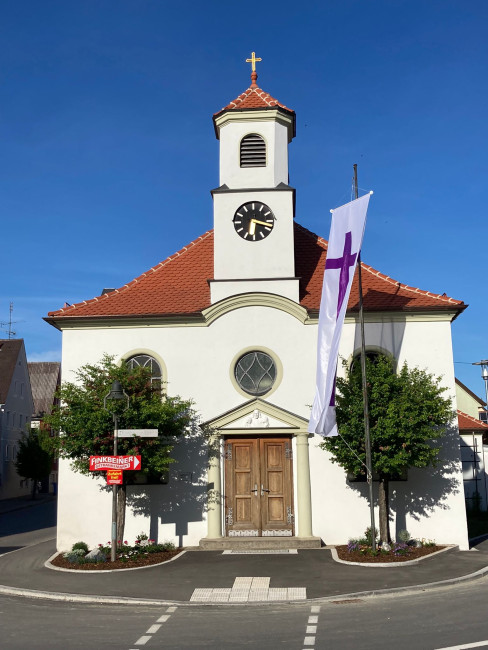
(469, 423)
(179, 285)
(380, 292)
(254, 97)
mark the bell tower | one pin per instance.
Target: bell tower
(254, 205)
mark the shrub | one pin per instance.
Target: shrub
(80, 546)
(400, 548)
(404, 536)
(368, 536)
(75, 556)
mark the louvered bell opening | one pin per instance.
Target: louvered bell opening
(253, 151)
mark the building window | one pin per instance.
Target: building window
(253, 151)
(145, 361)
(371, 355)
(255, 373)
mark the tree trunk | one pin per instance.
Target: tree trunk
(34, 489)
(384, 508)
(121, 500)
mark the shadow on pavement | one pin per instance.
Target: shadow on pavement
(34, 517)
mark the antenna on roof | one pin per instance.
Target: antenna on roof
(7, 326)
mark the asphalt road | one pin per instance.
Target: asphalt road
(445, 618)
(451, 618)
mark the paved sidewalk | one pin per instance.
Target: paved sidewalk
(207, 577)
(23, 571)
(20, 503)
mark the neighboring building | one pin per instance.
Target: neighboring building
(231, 322)
(469, 403)
(45, 379)
(16, 408)
(474, 457)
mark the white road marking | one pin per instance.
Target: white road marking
(155, 628)
(311, 628)
(478, 644)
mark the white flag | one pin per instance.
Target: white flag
(345, 240)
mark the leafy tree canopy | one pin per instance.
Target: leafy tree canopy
(408, 415)
(87, 428)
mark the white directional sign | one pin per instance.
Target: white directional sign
(141, 433)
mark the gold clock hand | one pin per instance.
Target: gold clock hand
(262, 223)
(252, 227)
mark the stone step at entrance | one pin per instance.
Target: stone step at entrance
(258, 543)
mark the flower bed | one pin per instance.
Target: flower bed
(144, 552)
(135, 562)
(365, 555)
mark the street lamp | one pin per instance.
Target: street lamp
(484, 375)
(116, 395)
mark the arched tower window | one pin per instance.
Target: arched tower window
(145, 361)
(253, 151)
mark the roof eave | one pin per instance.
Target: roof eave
(66, 322)
(288, 114)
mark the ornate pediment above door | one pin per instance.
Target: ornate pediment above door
(257, 416)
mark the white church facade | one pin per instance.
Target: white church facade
(231, 322)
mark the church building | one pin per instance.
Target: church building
(230, 321)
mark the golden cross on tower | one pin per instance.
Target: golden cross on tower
(252, 61)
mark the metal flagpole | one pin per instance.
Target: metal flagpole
(367, 438)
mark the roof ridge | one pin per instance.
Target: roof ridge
(128, 285)
(313, 236)
(264, 96)
(387, 278)
(407, 287)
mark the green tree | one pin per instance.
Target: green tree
(33, 461)
(87, 428)
(408, 415)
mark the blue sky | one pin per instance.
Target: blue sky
(108, 151)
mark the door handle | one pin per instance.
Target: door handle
(255, 489)
(263, 490)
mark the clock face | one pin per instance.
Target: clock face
(253, 221)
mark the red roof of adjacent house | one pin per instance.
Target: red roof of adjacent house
(179, 285)
(469, 423)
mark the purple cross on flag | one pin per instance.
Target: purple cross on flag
(345, 240)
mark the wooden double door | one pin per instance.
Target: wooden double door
(259, 487)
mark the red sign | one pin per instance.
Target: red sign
(114, 477)
(100, 463)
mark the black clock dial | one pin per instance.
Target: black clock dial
(253, 221)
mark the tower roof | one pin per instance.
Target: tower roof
(255, 99)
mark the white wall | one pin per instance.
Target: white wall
(275, 136)
(199, 363)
